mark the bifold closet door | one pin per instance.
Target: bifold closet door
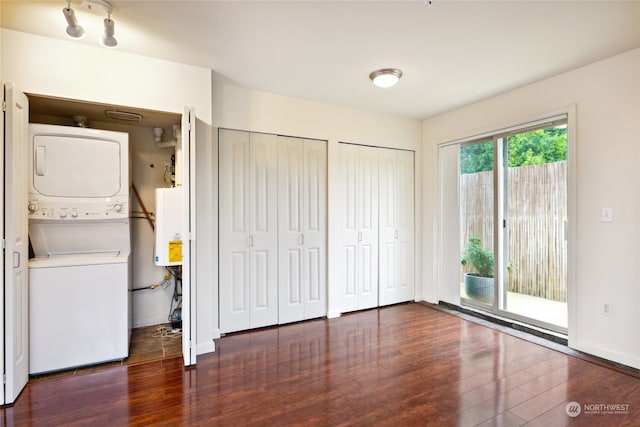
(248, 230)
(396, 226)
(302, 209)
(360, 227)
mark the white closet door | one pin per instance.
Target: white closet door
(290, 229)
(235, 250)
(248, 230)
(360, 227)
(302, 228)
(405, 226)
(263, 217)
(349, 228)
(315, 229)
(388, 231)
(16, 273)
(367, 207)
(396, 226)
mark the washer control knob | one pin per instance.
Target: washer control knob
(63, 214)
(74, 214)
(33, 207)
(118, 207)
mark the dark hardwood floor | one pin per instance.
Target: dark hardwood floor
(401, 365)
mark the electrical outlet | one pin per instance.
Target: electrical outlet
(607, 215)
(607, 309)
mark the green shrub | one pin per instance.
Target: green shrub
(479, 259)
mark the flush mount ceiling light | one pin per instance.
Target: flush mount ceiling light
(76, 31)
(385, 77)
(73, 29)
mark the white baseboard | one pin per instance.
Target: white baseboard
(150, 321)
(205, 347)
(333, 314)
(624, 359)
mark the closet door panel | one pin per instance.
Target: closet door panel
(405, 226)
(290, 229)
(396, 226)
(235, 308)
(263, 217)
(367, 207)
(315, 229)
(388, 186)
(349, 179)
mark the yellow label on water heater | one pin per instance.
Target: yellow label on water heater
(175, 251)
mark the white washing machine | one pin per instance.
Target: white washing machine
(79, 280)
(78, 311)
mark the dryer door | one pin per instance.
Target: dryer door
(76, 166)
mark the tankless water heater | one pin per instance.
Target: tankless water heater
(169, 226)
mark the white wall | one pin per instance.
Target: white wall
(604, 164)
(66, 69)
(244, 109)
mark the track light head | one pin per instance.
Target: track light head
(108, 39)
(73, 29)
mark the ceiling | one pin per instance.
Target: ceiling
(451, 53)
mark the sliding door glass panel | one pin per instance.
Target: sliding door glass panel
(477, 223)
(535, 210)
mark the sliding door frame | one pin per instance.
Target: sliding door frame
(500, 204)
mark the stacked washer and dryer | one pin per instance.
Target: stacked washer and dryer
(79, 277)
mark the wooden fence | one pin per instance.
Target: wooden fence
(536, 222)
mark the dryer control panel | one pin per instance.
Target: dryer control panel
(115, 208)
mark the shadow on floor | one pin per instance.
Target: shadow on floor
(148, 343)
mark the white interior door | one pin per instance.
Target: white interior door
(2, 181)
(188, 246)
(291, 269)
(360, 227)
(396, 226)
(389, 251)
(349, 227)
(16, 282)
(367, 208)
(315, 229)
(405, 219)
(235, 313)
(301, 228)
(248, 230)
(263, 217)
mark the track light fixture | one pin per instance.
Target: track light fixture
(108, 40)
(76, 31)
(73, 29)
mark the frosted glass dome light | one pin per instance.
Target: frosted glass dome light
(385, 77)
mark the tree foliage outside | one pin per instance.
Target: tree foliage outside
(527, 148)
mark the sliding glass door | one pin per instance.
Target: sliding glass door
(513, 219)
(477, 222)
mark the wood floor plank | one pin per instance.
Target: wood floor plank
(400, 365)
